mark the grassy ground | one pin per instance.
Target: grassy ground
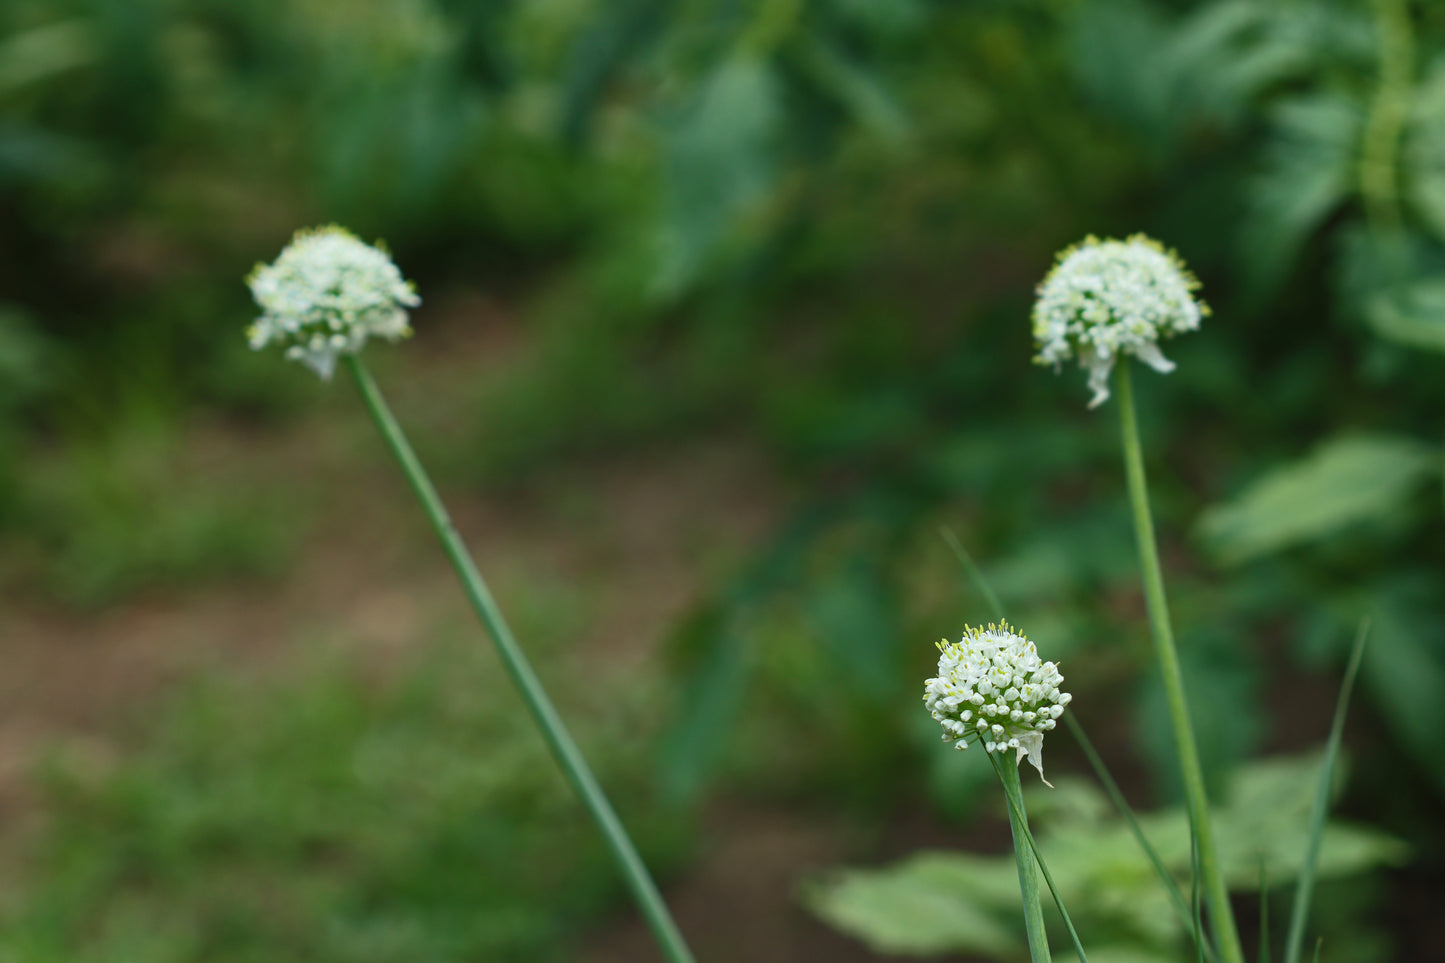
(320, 760)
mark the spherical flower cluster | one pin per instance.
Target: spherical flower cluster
(991, 687)
(1107, 298)
(327, 293)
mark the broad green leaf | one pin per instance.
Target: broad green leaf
(1404, 669)
(1309, 170)
(937, 902)
(856, 619)
(718, 163)
(39, 53)
(712, 694)
(1413, 315)
(930, 904)
(1344, 481)
(1267, 817)
(616, 33)
(1425, 153)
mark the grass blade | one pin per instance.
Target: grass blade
(1304, 889)
(1194, 888)
(1122, 805)
(1263, 913)
(974, 573)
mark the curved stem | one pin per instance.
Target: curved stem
(1008, 772)
(554, 731)
(1221, 915)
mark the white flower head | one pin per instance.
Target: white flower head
(1107, 298)
(325, 295)
(992, 688)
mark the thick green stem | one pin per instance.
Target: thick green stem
(1221, 916)
(1008, 771)
(554, 731)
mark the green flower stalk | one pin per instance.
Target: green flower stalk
(992, 688)
(324, 298)
(1104, 299)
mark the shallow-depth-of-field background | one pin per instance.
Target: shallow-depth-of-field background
(725, 317)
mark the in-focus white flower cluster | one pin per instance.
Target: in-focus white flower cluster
(327, 293)
(1107, 298)
(991, 687)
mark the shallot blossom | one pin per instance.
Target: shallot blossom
(326, 294)
(1107, 298)
(992, 688)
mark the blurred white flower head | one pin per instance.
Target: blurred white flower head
(1107, 298)
(325, 295)
(992, 688)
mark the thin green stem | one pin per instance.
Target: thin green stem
(974, 573)
(1122, 805)
(1028, 867)
(1198, 910)
(554, 731)
(1221, 915)
(1264, 954)
(1320, 809)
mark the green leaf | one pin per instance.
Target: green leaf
(1308, 171)
(856, 89)
(37, 54)
(712, 694)
(1267, 817)
(1405, 672)
(1412, 315)
(617, 32)
(856, 619)
(933, 903)
(937, 902)
(718, 164)
(1425, 153)
(1346, 480)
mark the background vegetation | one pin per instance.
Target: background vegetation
(802, 235)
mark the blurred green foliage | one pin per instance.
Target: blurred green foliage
(816, 225)
(941, 902)
(333, 816)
